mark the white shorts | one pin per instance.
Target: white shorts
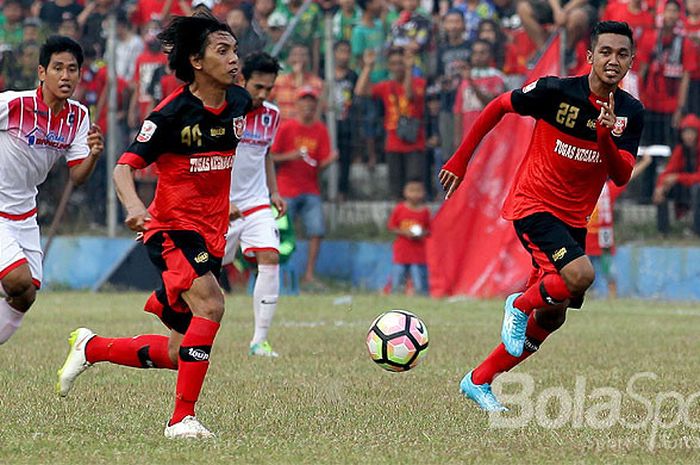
(19, 244)
(256, 232)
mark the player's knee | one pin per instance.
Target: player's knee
(268, 258)
(18, 285)
(580, 278)
(211, 308)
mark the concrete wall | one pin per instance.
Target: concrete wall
(669, 273)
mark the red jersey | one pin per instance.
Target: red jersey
(685, 165)
(146, 64)
(393, 96)
(152, 10)
(564, 172)
(639, 22)
(489, 81)
(193, 148)
(692, 31)
(601, 235)
(668, 58)
(300, 176)
(409, 251)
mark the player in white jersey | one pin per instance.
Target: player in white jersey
(253, 189)
(37, 127)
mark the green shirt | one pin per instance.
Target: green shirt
(370, 38)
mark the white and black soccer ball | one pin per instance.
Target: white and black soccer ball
(397, 340)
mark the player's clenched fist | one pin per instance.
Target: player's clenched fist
(137, 219)
(449, 182)
(95, 140)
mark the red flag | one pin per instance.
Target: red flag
(472, 250)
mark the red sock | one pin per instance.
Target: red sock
(500, 361)
(193, 362)
(548, 291)
(146, 351)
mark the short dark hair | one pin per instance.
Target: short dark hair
(188, 36)
(260, 62)
(486, 43)
(394, 51)
(611, 27)
(59, 44)
(340, 43)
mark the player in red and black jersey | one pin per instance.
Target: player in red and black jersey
(191, 137)
(587, 131)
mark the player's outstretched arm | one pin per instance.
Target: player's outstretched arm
(137, 217)
(453, 171)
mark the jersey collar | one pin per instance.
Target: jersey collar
(40, 101)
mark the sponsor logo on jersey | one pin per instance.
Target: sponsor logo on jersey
(71, 119)
(239, 126)
(619, 126)
(213, 163)
(201, 257)
(590, 124)
(36, 137)
(529, 87)
(218, 132)
(576, 153)
(148, 128)
(266, 120)
(559, 254)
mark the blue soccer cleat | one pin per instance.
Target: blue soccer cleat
(514, 326)
(481, 394)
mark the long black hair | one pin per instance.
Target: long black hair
(187, 36)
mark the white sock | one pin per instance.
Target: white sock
(10, 320)
(265, 294)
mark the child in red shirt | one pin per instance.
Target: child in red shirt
(410, 221)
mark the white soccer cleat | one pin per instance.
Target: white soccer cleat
(76, 362)
(188, 428)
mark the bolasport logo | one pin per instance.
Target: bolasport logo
(636, 407)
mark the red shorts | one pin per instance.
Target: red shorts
(181, 257)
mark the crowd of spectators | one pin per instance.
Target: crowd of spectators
(410, 75)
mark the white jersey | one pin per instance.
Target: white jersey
(31, 140)
(248, 180)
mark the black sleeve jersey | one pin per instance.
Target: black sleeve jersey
(568, 105)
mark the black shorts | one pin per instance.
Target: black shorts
(552, 243)
(181, 257)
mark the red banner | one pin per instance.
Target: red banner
(472, 250)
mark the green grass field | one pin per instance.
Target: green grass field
(324, 401)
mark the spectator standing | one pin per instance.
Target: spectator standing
(128, 48)
(692, 27)
(301, 151)
(474, 12)
(250, 39)
(21, 74)
(634, 13)
(11, 33)
(308, 30)
(680, 181)
(287, 86)
(90, 21)
(453, 54)
(403, 98)
(412, 30)
(159, 10)
(69, 28)
(54, 11)
(348, 16)
(410, 221)
(344, 91)
(147, 62)
(481, 82)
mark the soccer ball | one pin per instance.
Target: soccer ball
(397, 340)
